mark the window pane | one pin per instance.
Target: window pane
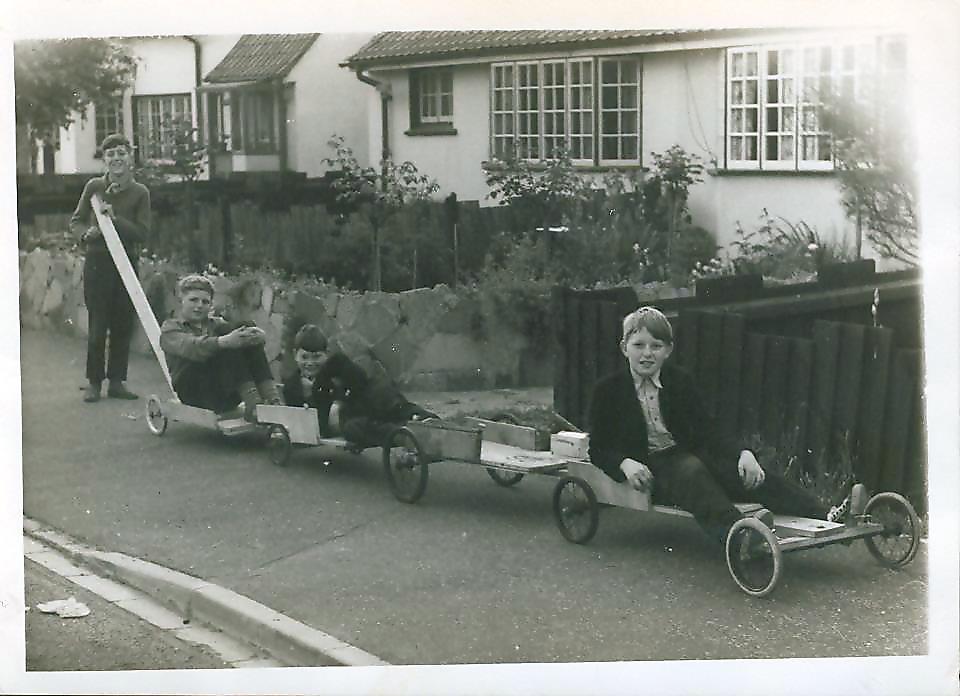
(750, 146)
(608, 71)
(786, 147)
(628, 97)
(629, 149)
(751, 93)
(773, 122)
(736, 93)
(772, 149)
(751, 64)
(736, 147)
(609, 97)
(609, 147)
(628, 122)
(751, 119)
(737, 65)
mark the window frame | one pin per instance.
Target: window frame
(101, 117)
(619, 110)
(442, 122)
(143, 149)
(592, 111)
(865, 65)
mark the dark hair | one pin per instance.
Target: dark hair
(310, 338)
(651, 319)
(115, 140)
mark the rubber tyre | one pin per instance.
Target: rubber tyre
(505, 478)
(156, 419)
(575, 509)
(279, 446)
(756, 570)
(901, 527)
(405, 466)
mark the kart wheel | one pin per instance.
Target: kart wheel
(897, 544)
(279, 446)
(754, 558)
(575, 509)
(505, 478)
(405, 465)
(156, 420)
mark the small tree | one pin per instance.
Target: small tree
(55, 81)
(379, 195)
(874, 164)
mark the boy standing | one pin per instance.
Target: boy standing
(215, 364)
(348, 402)
(648, 426)
(109, 309)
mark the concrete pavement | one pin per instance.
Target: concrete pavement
(472, 573)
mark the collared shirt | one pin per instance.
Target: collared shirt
(648, 394)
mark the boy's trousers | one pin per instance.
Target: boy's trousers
(708, 490)
(109, 312)
(215, 383)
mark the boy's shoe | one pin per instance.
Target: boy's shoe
(851, 507)
(92, 392)
(118, 390)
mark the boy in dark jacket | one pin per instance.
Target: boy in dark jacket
(348, 401)
(648, 426)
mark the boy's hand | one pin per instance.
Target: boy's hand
(92, 232)
(750, 471)
(242, 337)
(106, 209)
(638, 475)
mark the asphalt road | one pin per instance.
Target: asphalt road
(108, 638)
(472, 573)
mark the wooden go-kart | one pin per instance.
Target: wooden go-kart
(754, 552)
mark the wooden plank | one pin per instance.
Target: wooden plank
(558, 297)
(752, 391)
(573, 404)
(902, 391)
(805, 527)
(870, 426)
(849, 379)
(611, 328)
(708, 363)
(508, 433)
(686, 340)
(301, 423)
(774, 401)
(730, 368)
(915, 473)
(500, 456)
(608, 491)
(440, 440)
(826, 343)
(799, 400)
(589, 349)
(177, 411)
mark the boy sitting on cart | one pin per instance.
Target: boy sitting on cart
(215, 364)
(649, 427)
(349, 403)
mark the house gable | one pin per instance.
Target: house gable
(261, 57)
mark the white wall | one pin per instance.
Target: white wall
(683, 104)
(165, 65)
(453, 160)
(329, 100)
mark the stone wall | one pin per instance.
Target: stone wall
(425, 339)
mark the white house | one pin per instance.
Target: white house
(271, 101)
(746, 101)
(169, 70)
(275, 100)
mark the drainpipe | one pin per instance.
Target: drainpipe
(384, 90)
(202, 127)
(385, 96)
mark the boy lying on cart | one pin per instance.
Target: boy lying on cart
(215, 364)
(349, 403)
(649, 427)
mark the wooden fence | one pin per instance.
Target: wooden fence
(847, 393)
(308, 238)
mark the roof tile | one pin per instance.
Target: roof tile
(261, 57)
(392, 45)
